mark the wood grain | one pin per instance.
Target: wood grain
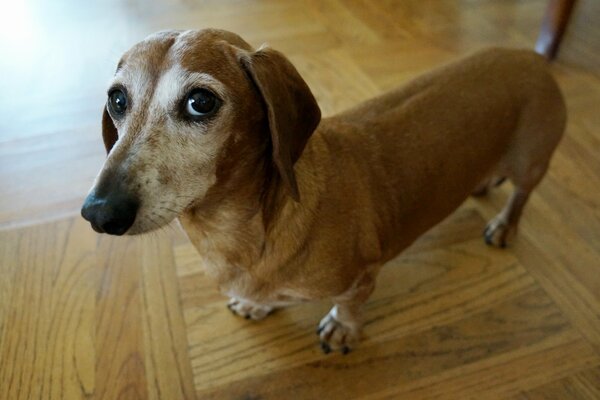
(48, 315)
(84, 316)
(582, 385)
(167, 367)
(526, 321)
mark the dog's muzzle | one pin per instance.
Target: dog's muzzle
(113, 214)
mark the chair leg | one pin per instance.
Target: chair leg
(554, 24)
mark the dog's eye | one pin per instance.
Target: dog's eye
(201, 103)
(117, 101)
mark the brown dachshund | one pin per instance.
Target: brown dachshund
(284, 207)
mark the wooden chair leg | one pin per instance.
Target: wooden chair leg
(554, 24)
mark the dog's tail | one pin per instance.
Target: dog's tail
(553, 28)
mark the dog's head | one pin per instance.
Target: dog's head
(192, 112)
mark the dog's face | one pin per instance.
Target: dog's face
(184, 111)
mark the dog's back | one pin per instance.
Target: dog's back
(423, 148)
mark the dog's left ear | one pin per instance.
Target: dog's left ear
(109, 131)
(292, 110)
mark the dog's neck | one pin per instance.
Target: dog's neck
(243, 226)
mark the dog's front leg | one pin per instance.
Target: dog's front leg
(249, 310)
(341, 328)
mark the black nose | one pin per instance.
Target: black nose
(113, 214)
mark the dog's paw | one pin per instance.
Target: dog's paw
(336, 335)
(249, 310)
(497, 231)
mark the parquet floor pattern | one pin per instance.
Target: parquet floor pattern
(84, 316)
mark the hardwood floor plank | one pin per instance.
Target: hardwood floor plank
(168, 370)
(580, 45)
(581, 306)
(562, 264)
(342, 22)
(502, 376)
(84, 316)
(120, 364)
(390, 64)
(583, 385)
(520, 322)
(332, 80)
(40, 181)
(47, 338)
(430, 288)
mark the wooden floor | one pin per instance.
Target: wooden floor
(97, 317)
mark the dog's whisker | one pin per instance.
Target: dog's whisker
(166, 224)
(156, 224)
(169, 209)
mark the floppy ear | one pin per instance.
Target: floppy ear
(109, 132)
(292, 110)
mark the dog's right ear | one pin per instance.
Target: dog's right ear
(109, 131)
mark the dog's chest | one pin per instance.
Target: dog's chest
(229, 263)
(237, 281)
(226, 257)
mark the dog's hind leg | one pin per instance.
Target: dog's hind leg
(540, 127)
(505, 223)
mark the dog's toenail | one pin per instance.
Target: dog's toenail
(345, 350)
(488, 240)
(325, 347)
(247, 316)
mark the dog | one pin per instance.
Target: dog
(284, 207)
